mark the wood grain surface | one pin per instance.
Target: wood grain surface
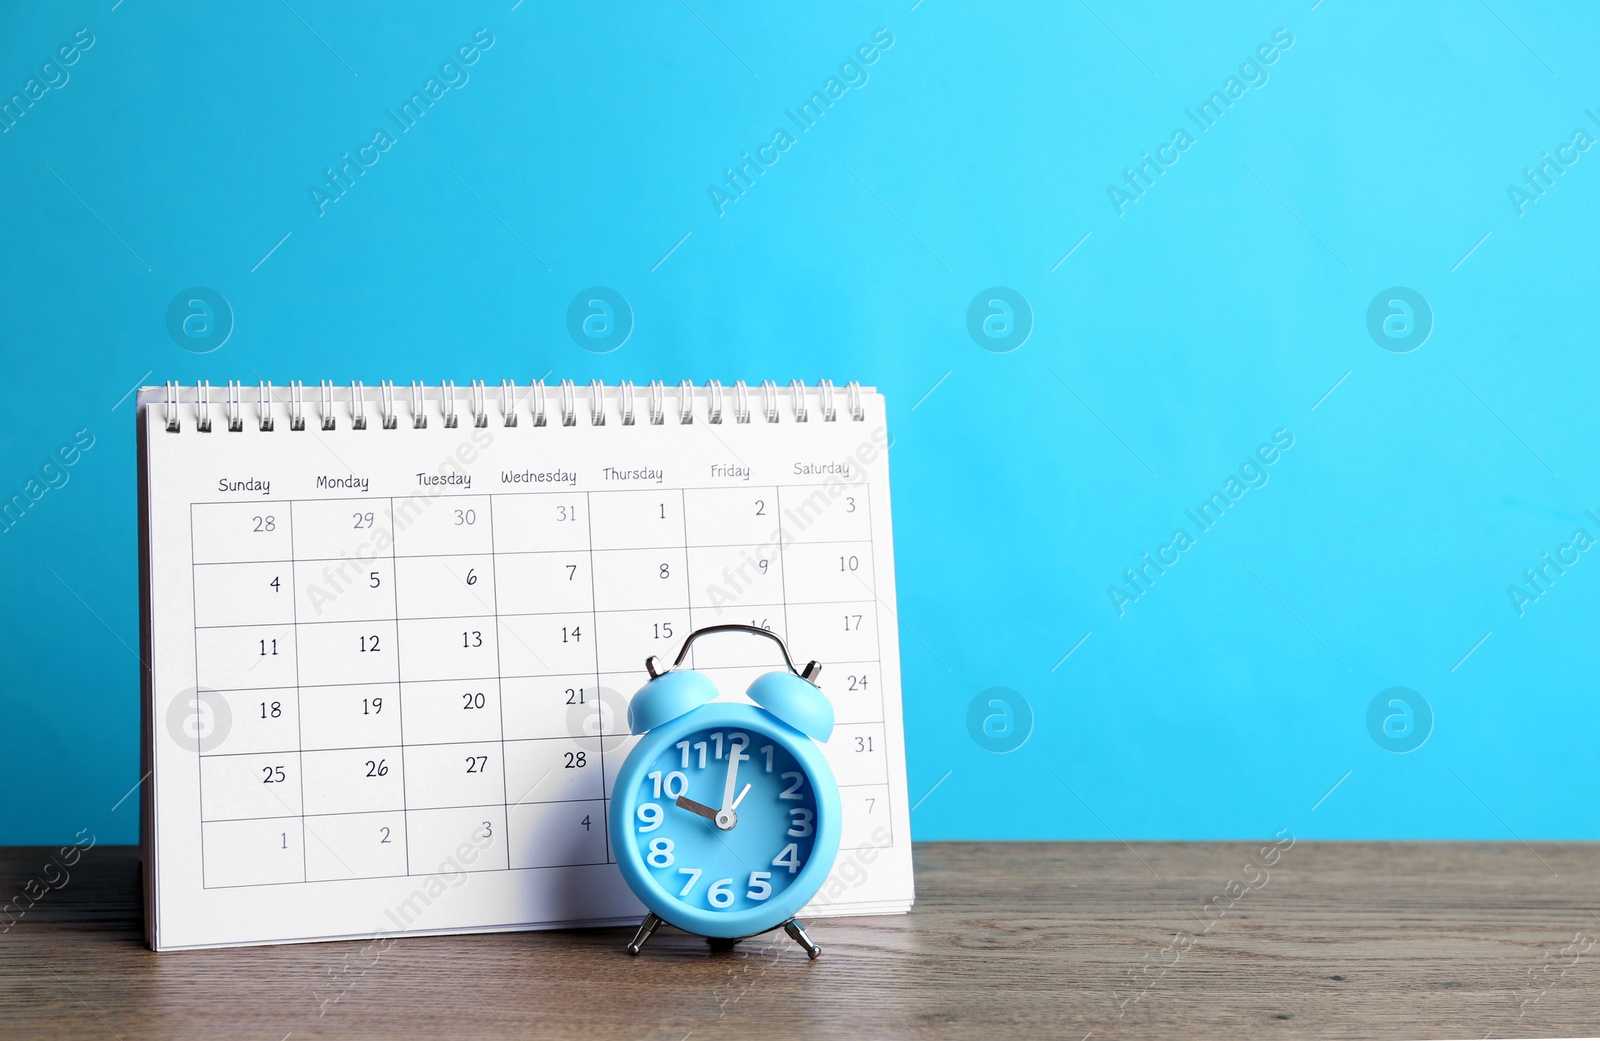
(1029, 940)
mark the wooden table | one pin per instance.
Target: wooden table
(1026, 940)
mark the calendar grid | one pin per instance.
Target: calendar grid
(877, 642)
(783, 559)
(199, 744)
(507, 614)
(500, 693)
(400, 700)
(594, 629)
(423, 559)
(473, 806)
(300, 773)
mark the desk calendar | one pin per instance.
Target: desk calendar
(391, 636)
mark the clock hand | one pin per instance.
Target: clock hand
(697, 807)
(735, 757)
(723, 819)
(745, 791)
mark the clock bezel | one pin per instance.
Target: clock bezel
(667, 905)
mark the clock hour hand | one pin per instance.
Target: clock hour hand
(699, 808)
(723, 819)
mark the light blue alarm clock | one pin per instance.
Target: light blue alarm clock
(725, 816)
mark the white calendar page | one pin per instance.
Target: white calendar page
(389, 668)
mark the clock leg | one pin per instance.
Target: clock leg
(797, 932)
(646, 929)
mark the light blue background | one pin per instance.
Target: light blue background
(1218, 308)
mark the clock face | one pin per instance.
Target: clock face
(723, 820)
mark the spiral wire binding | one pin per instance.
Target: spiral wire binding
(358, 406)
(480, 404)
(538, 403)
(508, 402)
(447, 401)
(721, 402)
(685, 402)
(297, 406)
(658, 400)
(625, 401)
(203, 400)
(799, 391)
(714, 403)
(569, 404)
(741, 402)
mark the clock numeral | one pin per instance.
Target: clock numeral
(694, 876)
(788, 857)
(760, 888)
(766, 750)
(800, 820)
(674, 785)
(649, 815)
(793, 791)
(660, 855)
(721, 893)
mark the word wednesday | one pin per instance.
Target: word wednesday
(1252, 74)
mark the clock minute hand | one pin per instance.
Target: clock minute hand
(735, 757)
